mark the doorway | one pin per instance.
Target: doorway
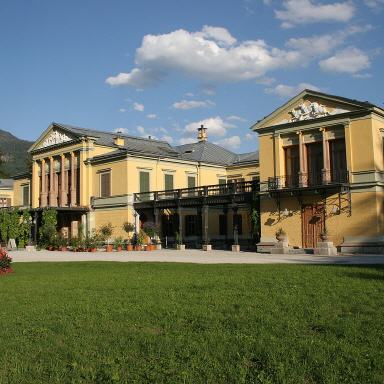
(313, 223)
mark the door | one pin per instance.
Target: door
(312, 219)
(292, 166)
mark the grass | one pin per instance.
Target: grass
(180, 323)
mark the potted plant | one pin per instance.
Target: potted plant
(281, 235)
(179, 245)
(128, 228)
(324, 235)
(119, 244)
(74, 243)
(140, 240)
(63, 244)
(129, 245)
(152, 231)
(106, 232)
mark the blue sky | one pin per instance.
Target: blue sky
(225, 63)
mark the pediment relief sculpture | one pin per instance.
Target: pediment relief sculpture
(54, 138)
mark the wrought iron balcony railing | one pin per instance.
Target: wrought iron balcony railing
(205, 191)
(311, 179)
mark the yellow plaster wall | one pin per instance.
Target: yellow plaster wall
(17, 191)
(116, 217)
(246, 171)
(8, 194)
(378, 147)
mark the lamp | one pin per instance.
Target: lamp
(335, 210)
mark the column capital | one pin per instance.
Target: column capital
(299, 133)
(322, 129)
(62, 156)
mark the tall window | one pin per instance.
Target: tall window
(144, 183)
(222, 225)
(338, 160)
(190, 225)
(292, 165)
(105, 184)
(315, 163)
(25, 195)
(168, 181)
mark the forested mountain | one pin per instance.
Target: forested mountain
(13, 154)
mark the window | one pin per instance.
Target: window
(338, 160)
(237, 221)
(292, 166)
(105, 184)
(168, 181)
(25, 195)
(223, 225)
(222, 181)
(191, 225)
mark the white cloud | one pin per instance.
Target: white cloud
(151, 116)
(167, 138)
(216, 126)
(187, 140)
(218, 34)
(138, 107)
(376, 5)
(140, 129)
(250, 136)
(236, 118)
(122, 110)
(350, 60)
(203, 56)
(231, 143)
(320, 45)
(190, 104)
(283, 90)
(189, 94)
(308, 11)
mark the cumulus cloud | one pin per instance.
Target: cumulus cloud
(283, 90)
(307, 12)
(210, 55)
(138, 107)
(236, 118)
(320, 45)
(140, 129)
(151, 116)
(231, 143)
(216, 126)
(187, 140)
(122, 110)
(350, 60)
(190, 104)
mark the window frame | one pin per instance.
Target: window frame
(101, 174)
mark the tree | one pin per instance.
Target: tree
(3, 173)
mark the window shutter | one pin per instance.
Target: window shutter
(168, 181)
(144, 181)
(25, 195)
(222, 181)
(105, 184)
(191, 181)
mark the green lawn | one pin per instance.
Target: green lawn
(181, 323)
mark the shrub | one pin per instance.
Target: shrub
(25, 229)
(141, 237)
(47, 230)
(119, 242)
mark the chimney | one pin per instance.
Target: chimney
(119, 140)
(202, 133)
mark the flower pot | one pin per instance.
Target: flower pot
(149, 247)
(137, 247)
(281, 237)
(64, 248)
(129, 247)
(180, 247)
(109, 248)
(91, 249)
(324, 236)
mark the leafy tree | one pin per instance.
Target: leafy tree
(25, 229)
(4, 224)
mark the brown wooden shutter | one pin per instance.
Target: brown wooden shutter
(105, 184)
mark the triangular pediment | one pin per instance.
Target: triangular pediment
(53, 136)
(309, 105)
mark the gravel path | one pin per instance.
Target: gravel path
(194, 256)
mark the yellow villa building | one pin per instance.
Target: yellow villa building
(94, 178)
(6, 193)
(322, 168)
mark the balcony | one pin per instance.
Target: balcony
(309, 180)
(199, 193)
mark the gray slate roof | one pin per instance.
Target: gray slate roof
(132, 144)
(201, 151)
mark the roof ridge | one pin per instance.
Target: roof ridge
(110, 133)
